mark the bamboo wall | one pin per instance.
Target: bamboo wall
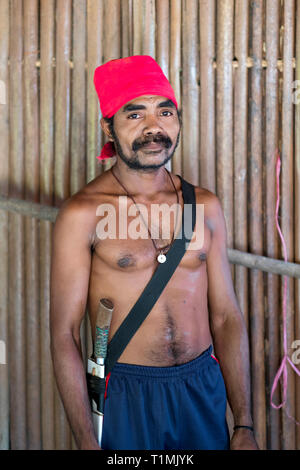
(232, 65)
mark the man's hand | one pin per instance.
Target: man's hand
(243, 439)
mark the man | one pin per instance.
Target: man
(166, 390)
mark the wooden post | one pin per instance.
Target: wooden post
(287, 205)
(163, 42)
(78, 117)
(150, 21)
(137, 26)
(207, 156)
(240, 157)
(224, 121)
(175, 71)
(190, 91)
(240, 154)
(163, 35)
(126, 18)
(16, 297)
(256, 316)
(95, 14)
(112, 43)
(33, 384)
(224, 112)
(62, 160)
(4, 171)
(47, 25)
(297, 211)
(271, 145)
(78, 113)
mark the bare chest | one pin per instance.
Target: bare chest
(176, 330)
(135, 245)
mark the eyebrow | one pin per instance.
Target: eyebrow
(135, 107)
(167, 104)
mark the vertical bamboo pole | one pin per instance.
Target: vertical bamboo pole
(47, 25)
(175, 70)
(224, 121)
(190, 91)
(112, 33)
(94, 58)
(78, 117)
(240, 128)
(78, 114)
(17, 348)
(95, 52)
(240, 149)
(271, 123)
(207, 16)
(297, 212)
(162, 35)
(61, 161)
(255, 227)
(225, 112)
(287, 204)
(149, 28)
(137, 26)
(162, 41)
(62, 101)
(31, 225)
(4, 172)
(143, 27)
(126, 15)
(112, 43)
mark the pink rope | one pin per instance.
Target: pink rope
(282, 371)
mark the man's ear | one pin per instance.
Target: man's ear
(106, 128)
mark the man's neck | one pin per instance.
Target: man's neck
(143, 184)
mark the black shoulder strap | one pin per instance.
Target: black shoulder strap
(157, 282)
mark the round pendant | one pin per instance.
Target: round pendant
(161, 258)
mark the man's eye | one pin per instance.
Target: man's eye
(167, 112)
(133, 115)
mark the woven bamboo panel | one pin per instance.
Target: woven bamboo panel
(233, 66)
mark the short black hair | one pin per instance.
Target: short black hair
(110, 122)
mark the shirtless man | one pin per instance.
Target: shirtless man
(167, 390)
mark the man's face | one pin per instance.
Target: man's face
(146, 132)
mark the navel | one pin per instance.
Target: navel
(170, 329)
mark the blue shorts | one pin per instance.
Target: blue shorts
(163, 408)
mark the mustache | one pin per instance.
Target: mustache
(158, 138)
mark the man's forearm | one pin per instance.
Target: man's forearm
(232, 349)
(70, 377)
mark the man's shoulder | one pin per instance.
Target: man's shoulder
(207, 197)
(213, 211)
(212, 203)
(85, 201)
(78, 212)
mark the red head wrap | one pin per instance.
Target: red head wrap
(121, 80)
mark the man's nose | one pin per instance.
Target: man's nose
(152, 125)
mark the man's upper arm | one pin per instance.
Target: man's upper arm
(221, 296)
(70, 269)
